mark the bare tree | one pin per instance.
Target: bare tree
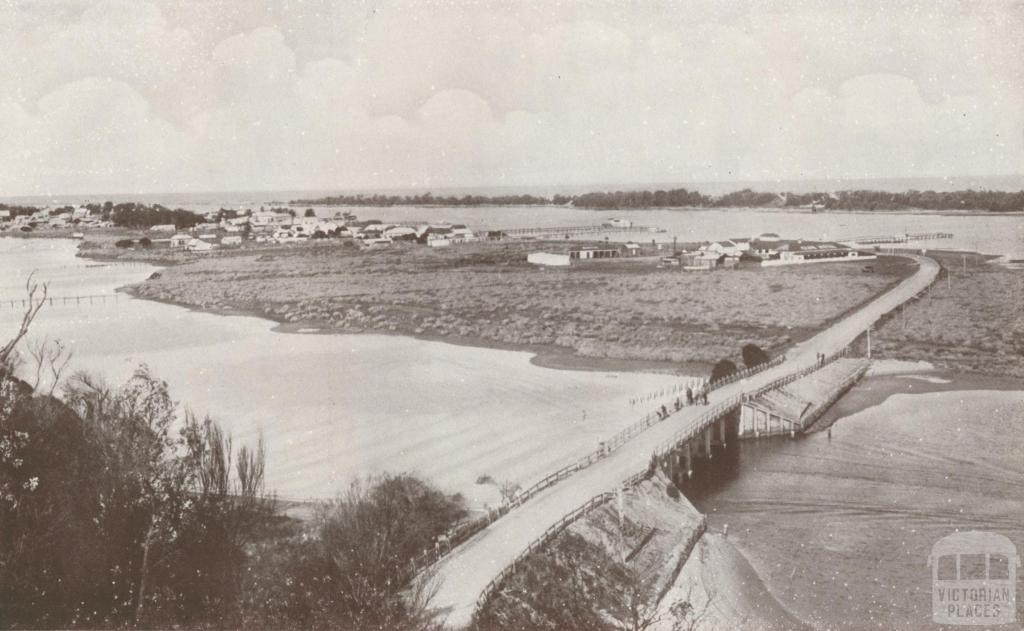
(51, 357)
(508, 490)
(686, 617)
(34, 303)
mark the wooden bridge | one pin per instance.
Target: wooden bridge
(897, 238)
(474, 568)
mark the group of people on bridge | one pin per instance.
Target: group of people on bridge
(694, 396)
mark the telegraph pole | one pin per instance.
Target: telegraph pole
(869, 341)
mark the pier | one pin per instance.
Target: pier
(575, 231)
(896, 238)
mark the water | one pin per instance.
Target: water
(840, 528)
(332, 407)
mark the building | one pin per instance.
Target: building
(801, 252)
(164, 227)
(180, 240)
(198, 245)
(5, 215)
(231, 240)
(593, 253)
(549, 259)
(727, 247)
(700, 261)
(632, 248)
(265, 219)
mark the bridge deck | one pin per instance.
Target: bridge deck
(464, 574)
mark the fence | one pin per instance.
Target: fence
(623, 436)
(537, 543)
(696, 384)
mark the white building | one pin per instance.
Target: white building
(265, 219)
(548, 259)
(180, 240)
(198, 245)
(164, 227)
(231, 240)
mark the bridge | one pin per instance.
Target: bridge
(471, 570)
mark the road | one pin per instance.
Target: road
(464, 573)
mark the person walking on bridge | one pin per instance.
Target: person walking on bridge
(689, 395)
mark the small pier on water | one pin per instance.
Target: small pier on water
(794, 407)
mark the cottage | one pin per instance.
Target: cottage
(200, 246)
(401, 233)
(164, 227)
(265, 219)
(726, 247)
(180, 240)
(591, 253)
(231, 240)
(632, 248)
(5, 215)
(700, 261)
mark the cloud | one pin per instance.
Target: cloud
(141, 96)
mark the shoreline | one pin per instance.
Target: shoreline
(551, 357)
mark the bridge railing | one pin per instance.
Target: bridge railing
(624, 435)
(537, 543)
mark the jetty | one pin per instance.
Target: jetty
(896, 238)
(574, 231)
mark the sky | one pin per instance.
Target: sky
(204, 95)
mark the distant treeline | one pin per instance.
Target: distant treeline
(127, 214)
(426, 199)
(995, 201)
(133, 215)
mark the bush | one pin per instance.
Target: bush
(145, 242)
(722, 369)
(124, 243)
(753, 355)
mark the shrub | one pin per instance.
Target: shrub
(722, 369)
(145, 242)
(124, 243)
(753, 355)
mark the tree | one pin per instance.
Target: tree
(753, 355)
(370, 537)
(722, 369)
(145, 242)
(310, 213)
(36, 298)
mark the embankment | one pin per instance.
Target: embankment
(639, 561)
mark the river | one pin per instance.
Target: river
(331, 407)
(840, 527)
